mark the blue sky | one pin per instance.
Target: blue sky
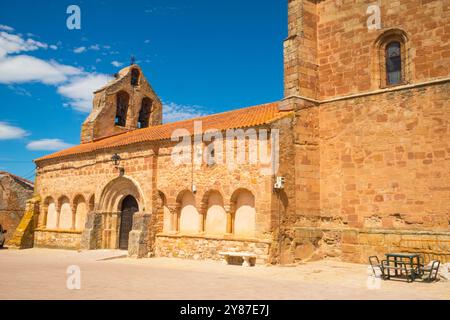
(201, 57)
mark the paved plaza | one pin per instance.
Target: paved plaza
(109, 274)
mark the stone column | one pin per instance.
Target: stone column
(177, 215)
(174, 227)
(174, 221)
(139, 240)
(229, 220)
(58, 214)
(105, 231)
(202, 218)
(73, 208)
(114, 226)
(92, 234)
(42, 220)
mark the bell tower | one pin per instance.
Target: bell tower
(126, 103)
(300, 53)
(301, 95)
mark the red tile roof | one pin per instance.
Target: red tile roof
(241, 118)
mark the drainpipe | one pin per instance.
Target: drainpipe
(278, 188)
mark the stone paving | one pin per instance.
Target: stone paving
(109, 274)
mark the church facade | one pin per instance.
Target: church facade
(359, 152)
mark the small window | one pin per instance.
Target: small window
(122, 101)
(210, 154)
(393, 63)
(135, 77)
(144, 113)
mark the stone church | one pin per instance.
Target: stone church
(364, 152)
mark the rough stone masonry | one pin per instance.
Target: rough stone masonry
(14, 193)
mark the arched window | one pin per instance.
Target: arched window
(144, 114)
(80, 212)
(243, 202)
(216, 216)
(51, 214)
(393, 63)
(135, 77)
(65, 214)
(189, 216)
(122, 101)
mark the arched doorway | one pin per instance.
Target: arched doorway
(128, 208)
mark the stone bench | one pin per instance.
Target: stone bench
(244, 255)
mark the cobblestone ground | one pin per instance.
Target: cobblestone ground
(108, 274)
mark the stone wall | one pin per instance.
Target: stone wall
(385, 160)
(347, 58)
(208, 247)
(356, 245)
(173, 179)
(57, 239)
(301, 77)
(95, 178)
(384, 165)
(13, 198)
(88, 174)
(367, 156)
(149, 174)
(23, 236)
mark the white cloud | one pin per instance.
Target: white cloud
(117, 63)
(6, 28)
(93, 47)
(79, 50)
(176, 112)
(48, 145)
(9, 132)
(80, 90)
(11, 43)
(73, 83)
(25, 68)
(19, 90)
